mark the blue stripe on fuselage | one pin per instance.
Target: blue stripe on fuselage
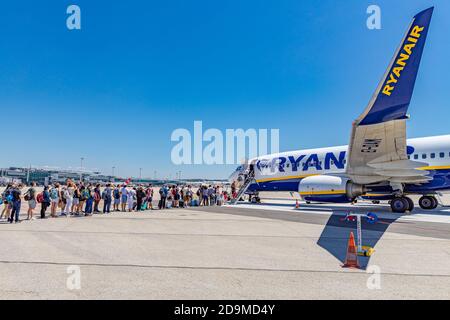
(441, 181)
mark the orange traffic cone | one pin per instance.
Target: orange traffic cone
(351, 261)
(297, 204)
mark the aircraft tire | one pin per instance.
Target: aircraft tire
(399, 205)
(410, 204)
(436, 203)
(428, 203)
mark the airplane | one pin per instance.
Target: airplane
(379, 163)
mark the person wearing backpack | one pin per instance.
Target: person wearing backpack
(97, 198)
(107, 199)
(124, 195)
(62, 200)
(16, 199)
(30, 196)
(89, 201)
(54, 199)
(140, 195)
(6, 197)
(116, 195)
(45, 202)
(83, 198)
(76, 200)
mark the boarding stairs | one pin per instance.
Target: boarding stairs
(249, 178)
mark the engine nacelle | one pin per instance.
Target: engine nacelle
(325, 188)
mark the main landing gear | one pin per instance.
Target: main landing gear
(402, 205)
(428, 202)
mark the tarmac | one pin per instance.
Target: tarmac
(267, 251)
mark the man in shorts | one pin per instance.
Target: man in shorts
(31, 197)
(124, 195)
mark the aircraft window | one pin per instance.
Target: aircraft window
(424, 156)
(416, 156)
(433, 155)
(409, 157)
(287, 165)
(442, 154)
(345, 161)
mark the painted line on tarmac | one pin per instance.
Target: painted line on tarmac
(343, 271)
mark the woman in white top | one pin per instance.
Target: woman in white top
(131, 194)
(68, 195)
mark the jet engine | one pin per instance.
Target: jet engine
(325, 188)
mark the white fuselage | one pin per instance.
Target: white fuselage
(296, 165)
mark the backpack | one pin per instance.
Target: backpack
(40, 197)
(54, 194)
(96, 196)
(85, 194)
(116, 194)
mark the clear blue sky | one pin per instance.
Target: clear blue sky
(114, 91)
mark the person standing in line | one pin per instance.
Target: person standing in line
(116, 196)
(45, 202)
(68, 195)
(89, 201)
(30, 196)
(205, 195)
(163, 192)
(131, 197)
(62, 200)
(54, 199)
(83, 198)
(76, 200)
(134, 192)
(140, 195)
(97, 198)
(7, 201)
(188, 195)
(176, 197)
(16, 204)
(149, 199)
(124, 196)
(107, 199)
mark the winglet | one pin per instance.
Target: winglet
(393, 95)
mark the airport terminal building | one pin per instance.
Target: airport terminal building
(44, 176)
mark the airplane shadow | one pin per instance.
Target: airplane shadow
(335, 235)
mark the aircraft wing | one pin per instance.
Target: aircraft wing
(377, 149)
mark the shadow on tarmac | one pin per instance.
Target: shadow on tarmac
(335, 235)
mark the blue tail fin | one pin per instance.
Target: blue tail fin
(393, 95)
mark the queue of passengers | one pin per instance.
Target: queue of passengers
(76, 199)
